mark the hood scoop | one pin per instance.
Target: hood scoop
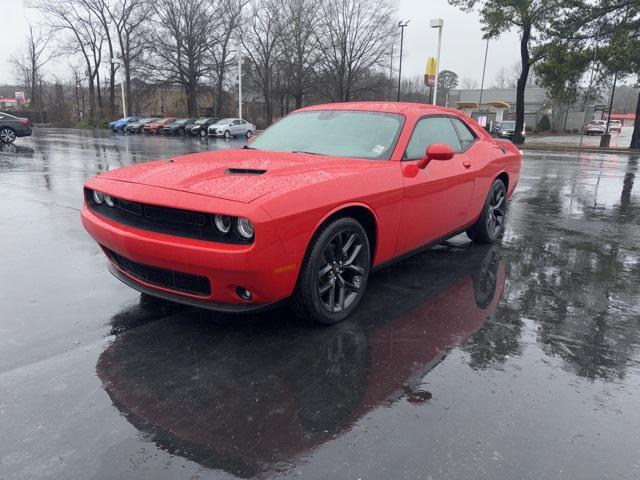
(244, 171)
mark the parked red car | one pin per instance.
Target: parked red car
(154, 127)
(317, 202)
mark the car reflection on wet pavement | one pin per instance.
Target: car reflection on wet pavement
(520, 360)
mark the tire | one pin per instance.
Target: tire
(181, 132)
(248, 134)
(203, 133)
(7, 135)
(334, 273)
(490, 225)
(227, 134)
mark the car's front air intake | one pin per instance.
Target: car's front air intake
(162, 277)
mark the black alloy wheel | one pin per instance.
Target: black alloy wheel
(492, 220)
(335, 273)
(341, 271)
(7, 135)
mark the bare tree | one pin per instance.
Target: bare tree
(468, 83)
(354, 37)
(99, 10)
(261, 38)
(227, 26)
(502, 79)
(86, 38)
(29, 65)
(129, 18)
(178, 43)
(300, 23)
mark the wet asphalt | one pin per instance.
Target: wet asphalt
(517, 361)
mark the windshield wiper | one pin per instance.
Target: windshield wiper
(308, 153)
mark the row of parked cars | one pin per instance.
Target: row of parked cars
(599, 127)
(202, 127)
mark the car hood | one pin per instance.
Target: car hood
(240, 175)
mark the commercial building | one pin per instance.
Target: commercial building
(500, 104)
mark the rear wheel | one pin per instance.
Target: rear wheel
(7, 135)
(335, 272)
(249, 133)
(490, 225)
(181, 132)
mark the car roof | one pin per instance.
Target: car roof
(386, 107)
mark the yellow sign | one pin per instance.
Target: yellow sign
(430, 72)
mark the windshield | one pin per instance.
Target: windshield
(355, 134)
(225, 120)
(507, 125)
(201, 121)
(181, 121)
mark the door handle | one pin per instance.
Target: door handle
(466, 164)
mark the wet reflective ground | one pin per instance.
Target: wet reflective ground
(519, 361)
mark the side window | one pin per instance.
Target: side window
(429, 131)
(464, 134)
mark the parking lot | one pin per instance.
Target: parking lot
(518, 361)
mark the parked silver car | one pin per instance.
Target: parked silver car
(231, 127)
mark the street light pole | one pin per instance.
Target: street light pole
(484, 71)
(402, 26)
(118, 61)
(239, 80)
(439, 24)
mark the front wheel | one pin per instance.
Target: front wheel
(491, 223)
(7, 135)
(203, 133)
(335, 273)
(227, 134)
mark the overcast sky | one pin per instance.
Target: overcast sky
(462, 45)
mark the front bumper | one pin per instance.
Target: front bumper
(263, 267)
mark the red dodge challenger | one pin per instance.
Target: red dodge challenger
(319, 200)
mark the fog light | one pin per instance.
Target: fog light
(98, 197)
(244, 294)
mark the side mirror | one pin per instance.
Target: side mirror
(437, 151)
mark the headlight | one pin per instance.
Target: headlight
(98, 197)
(108, 200)
(244, 228)
(223, 223)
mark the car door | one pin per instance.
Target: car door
(436, 200)
(234, 127)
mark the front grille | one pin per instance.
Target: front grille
(162, 277)
(171, 221)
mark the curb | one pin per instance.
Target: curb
(570, 148)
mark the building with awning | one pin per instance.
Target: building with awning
(499, 104)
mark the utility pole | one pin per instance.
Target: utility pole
(239, 80)
(118, 61)
(484, 71)
(439, 24)
(402, 27)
